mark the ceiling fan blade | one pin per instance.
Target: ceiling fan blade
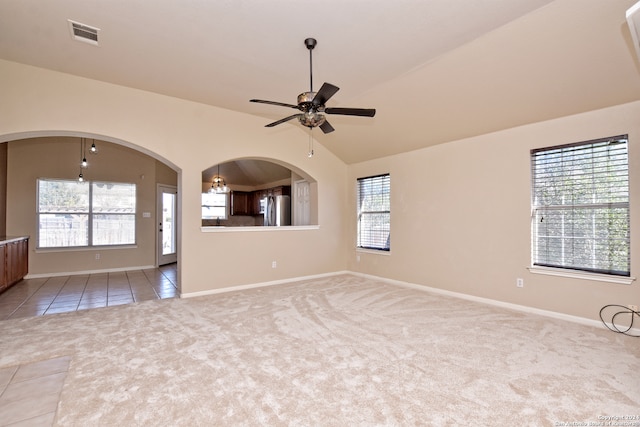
(286, 119)
(362, 112)
(326, 127)
(281, 104)
(326, 91)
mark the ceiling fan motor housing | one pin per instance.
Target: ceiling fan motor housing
(305, 101)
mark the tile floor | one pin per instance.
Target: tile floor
(29, 393)
(49, 295)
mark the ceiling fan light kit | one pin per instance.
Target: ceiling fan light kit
(312, 104)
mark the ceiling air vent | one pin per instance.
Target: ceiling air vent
(83, 33)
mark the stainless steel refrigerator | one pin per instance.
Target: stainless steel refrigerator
(277, 211)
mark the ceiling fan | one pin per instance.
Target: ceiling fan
(312, 104)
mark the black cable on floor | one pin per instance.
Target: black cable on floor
(614, 327)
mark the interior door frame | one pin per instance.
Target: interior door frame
(162, 259)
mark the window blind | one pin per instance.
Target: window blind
(580, 206)
(374, 212)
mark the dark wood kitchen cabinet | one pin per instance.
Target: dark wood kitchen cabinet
(241, 203)
(3, 268)
(14, 260)
(248, 202)
(283, 190)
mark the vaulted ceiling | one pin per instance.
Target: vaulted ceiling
(435, 70)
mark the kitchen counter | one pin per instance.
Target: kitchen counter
(9, 239)
(214, 229)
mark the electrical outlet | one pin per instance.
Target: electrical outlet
(274, 264)
(520, 282)
(97, 256)
(633, 307)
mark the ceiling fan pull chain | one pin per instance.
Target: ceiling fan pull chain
(310, 153)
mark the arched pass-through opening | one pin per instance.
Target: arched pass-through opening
(31, 156)
(257, 192)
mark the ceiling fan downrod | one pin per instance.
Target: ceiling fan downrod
(310, 43)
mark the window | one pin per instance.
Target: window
(77, 214)
(214, 206)
(374, 212)
(580, 206)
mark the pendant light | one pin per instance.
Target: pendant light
(83, 154)
(219, 185)
(83, 162)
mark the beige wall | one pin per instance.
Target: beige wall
(165, 175)
(460, 211)
(460, 215)
(3, 189)
(189, 137)
(59, 157)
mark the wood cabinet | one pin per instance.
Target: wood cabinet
(258, 195)
(240, 203)
(283, 190)
(3, 268)
(14, 261)
(248, 202)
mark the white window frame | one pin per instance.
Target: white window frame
(208, 201)
(368, 236)
(88, 211)
(569, 191)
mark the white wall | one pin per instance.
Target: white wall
(190, 137)
(460, 215)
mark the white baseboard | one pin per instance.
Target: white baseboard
(73, 273)
(517, 307)
(260, 284)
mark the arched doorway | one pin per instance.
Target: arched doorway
(57, 155)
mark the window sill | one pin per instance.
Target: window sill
(229, 229)
(574, 274)
(373, 251)
(85, 248)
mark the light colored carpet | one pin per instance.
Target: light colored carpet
(337, 351)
